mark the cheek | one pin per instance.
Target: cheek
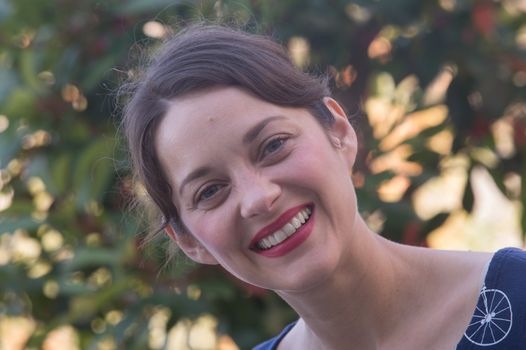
(322, 169)
(211, 229)
(314, 164)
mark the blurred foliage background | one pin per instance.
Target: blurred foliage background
(436, 89)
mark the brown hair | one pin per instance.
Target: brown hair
(200, 57)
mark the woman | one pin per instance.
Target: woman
(248, 161)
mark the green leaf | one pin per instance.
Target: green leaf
(5, 11)
(8, 82)
(28, 69)
(93, 171)
(88, 257)
(60, 173)
(12, 223)
(10, 143)
(136, 7)
(84, 307)
(20, 104)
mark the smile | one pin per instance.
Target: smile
(286, 231)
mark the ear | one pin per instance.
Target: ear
(191, 246)
(341, 133)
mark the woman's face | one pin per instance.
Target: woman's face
(263, 190)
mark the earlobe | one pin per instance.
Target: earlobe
(191, 246)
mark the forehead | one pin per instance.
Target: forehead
(203, 124)
(210, 114)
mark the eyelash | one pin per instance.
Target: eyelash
(281, 139)
(199, 196)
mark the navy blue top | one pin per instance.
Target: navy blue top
(499, 319)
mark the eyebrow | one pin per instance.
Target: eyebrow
(256, 129)
(197, 173)
(249, 137)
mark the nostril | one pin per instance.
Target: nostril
(259, 198)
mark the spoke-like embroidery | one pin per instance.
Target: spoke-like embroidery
(485, 328)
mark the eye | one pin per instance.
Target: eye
(208, 192)
(273, 146)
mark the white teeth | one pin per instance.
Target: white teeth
(281, 235)
(295, 222)
(289, 229)
(286, 231)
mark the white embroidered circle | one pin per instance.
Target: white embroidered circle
(492, 319)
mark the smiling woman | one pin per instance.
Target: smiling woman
(248, 160)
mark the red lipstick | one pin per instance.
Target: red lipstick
(298, 237)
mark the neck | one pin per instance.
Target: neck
(370, 281)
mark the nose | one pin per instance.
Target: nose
(258, 195)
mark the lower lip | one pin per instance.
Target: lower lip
(291, 242)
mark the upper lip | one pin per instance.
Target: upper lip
(277, 224)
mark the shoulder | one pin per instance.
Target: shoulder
(272, 344)
(499, 321)
(507, 273)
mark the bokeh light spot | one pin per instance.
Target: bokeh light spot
(43, 201)
(100, 277)
(444, 192)
(357, 13)
(64, 337)
(98, 325)
(35, 185)
(37, 139)
(380, 47)
(70, 93)
(24, 248)
(15, 331)
(4, 123)
(519, 79)
(14, 167)
(448, 5)
(113, 317)
(441, 142)
(157, 327)
(47, 77)
(52, 240)
(513, 183)
(93, 239)
(154, 29)
(39, 269)
(6, 199)
(299, 49)
(494, 222)
(193, 292)
(520, 38)
(80, 104)
(392, 190)
(51, 289)
(226, 343)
